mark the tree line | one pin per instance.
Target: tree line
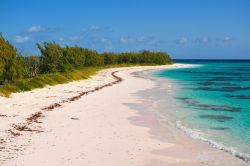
(55, 58)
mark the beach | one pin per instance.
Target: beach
(99, 121)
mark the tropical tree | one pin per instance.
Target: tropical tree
(10, 66)
(51, 57)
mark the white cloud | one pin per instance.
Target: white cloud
(182, 40)
(106, 43)
(204, 40)
(104, 40)
(21, 39)
(74, 38)
(227, 38)
(61, 39)
(108, 47)
(124, 40)
(93, 28)
(68, 40)
(35, 28)
(141, 39)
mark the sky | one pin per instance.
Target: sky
(193, 29)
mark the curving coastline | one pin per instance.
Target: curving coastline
(22, 114)
(106, 127)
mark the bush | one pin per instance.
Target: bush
(93, 58)
(75, 56)
(51, 57)
(10, 66)
(57, 59)
(45, 69)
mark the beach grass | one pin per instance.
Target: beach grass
(51, 79)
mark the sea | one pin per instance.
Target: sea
(210, 102)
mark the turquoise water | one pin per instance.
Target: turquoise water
(214, 99)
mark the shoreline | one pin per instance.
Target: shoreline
(192, 133)
(135, 138)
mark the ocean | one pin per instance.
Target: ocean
(212, 102)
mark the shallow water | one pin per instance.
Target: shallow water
(212, 102)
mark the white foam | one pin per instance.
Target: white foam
(197, 135)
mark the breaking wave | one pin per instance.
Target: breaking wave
(197, 135)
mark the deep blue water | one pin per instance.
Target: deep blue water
(214, 100)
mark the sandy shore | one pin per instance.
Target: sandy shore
(101, 127)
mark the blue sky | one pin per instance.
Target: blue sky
(183, 28)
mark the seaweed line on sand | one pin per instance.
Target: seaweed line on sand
(28, 126)
(55, 105)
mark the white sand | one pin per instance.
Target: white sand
(98, 129)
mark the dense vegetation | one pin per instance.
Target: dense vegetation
(58, 64)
